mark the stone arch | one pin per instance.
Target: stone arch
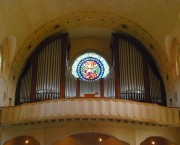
(157, 140)
(22, 140)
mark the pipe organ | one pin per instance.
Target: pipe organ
(133, 74)
(25, 88)
(48, 71)
(43, 74)
(154, 86)
(90, 87)
(136, 75)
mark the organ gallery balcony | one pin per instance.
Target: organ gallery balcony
(90, 109)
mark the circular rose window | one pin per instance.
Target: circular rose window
(90, 67)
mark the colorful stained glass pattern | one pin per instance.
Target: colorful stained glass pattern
(90, 66)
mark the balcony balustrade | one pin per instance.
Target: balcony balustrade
(97, 108)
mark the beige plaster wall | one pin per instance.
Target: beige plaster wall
(112, 141)
(48, 134)
(101, 46)
(67, 141)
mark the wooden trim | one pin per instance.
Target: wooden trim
(163, 95)
(146, 78)
(115, 49)
(34, 79)
(68, 47)
(102, 86)
(78, 87)
(17, 95)
(63, 65)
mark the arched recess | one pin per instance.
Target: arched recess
(7, 53)
(22, 140)
(89, 138)
(11, 46)
(156, 140)
(171, 44)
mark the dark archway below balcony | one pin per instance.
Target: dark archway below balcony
(89, 138)
(156, 140)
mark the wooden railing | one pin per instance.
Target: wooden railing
(113, 109)
(140, 97)
(39, 97)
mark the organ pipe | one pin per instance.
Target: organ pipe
(48, 78)
(131, 72)
(155, 87)
(139, 78)
(25, 89)
(42, 76)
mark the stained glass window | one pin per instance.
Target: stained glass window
(90, 66)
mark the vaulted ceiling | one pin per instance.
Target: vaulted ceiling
(32, 21)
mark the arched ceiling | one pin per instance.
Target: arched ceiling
(32, 21)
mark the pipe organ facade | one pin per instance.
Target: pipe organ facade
(132, 75)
